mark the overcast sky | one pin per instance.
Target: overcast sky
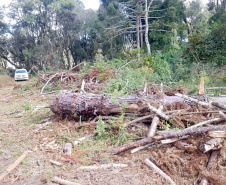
(93, 4)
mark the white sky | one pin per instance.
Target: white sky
(93, 4)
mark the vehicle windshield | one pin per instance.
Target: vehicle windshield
(21, 71)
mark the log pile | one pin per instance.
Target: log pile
(207, 114)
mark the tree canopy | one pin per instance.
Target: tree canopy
(61, 33)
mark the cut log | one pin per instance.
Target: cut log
(154, 123)
(201, 86)
(71, 104)
(166, 135)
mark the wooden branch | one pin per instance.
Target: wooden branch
(201, 86)
(166, 135)
(48, 82)
(139, 119)
(185, 146)
(75, 67)
(219, 105)
(212, 159)
(159, 171)
(160, 113)
(222, 115)
(102, 166)
(154, 123)
(217, 134)
(55, 162)
(213, 144)
(212, 88)
(141, 148)
(194, 100)
(214, 120)
(63, 182)
(36, 130)
(14, 165)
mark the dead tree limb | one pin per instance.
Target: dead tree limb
(48, 82)
(154, 123)
(212, 160)
(63, 182)
(102, 166)
(165, 135)
(159, 171)
(158, 112)
(194, 100)
(219, 105)
(14, 165)
(214, 120)
(213, 144)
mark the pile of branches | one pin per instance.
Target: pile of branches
(72, 79)
(159, 108)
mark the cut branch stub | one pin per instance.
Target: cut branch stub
(72, 104)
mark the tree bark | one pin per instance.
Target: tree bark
(71, 104)
(170, 134)
(147, 7)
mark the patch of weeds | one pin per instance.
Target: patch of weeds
(102, 130)
(107, 160)
(9, 141)
(25, 161)
(15, 154)
(122, 131)
(1, 152)
(28, 173)
(49, 173)
(27, 106)
(26, 87)
(68, 166)
(59, 140)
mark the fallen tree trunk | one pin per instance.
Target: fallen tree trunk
(166, 135)
(72, 104)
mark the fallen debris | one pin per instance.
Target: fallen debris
(212, 160)
(13, 166)
(102, 166)
(159, 171)
(165, 135)
(55, 162)
(63, 182)
(67, 149)
(213, 144)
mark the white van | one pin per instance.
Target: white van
(21, 74)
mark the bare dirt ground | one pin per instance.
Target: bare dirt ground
(19, 115)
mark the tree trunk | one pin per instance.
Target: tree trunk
(147, 7)
(72, 104)
(68, 59)
(141, 35)
(138, 32)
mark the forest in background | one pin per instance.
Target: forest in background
(172, 40)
